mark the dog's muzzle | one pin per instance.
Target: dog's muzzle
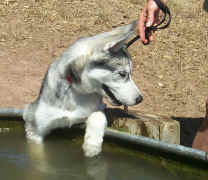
(111, 95)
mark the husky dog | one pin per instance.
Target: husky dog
(92, 68)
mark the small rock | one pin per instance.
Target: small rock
(161, 85)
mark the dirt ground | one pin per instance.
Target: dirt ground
(171, 72)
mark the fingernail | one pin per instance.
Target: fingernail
(145, 42)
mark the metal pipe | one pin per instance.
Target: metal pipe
(11, 112)
(156, 144)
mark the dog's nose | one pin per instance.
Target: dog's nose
(139, 99)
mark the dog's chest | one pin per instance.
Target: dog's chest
(85, 103)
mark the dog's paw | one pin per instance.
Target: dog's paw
(91, 150)
(35, 138)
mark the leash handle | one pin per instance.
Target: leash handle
(161, 5)
(166, 12)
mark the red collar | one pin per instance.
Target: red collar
(69, 79)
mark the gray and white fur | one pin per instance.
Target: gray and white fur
(100, 67)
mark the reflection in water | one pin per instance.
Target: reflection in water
(59, 159)
(96, 168)
(52, 160)
(43, 158)
(37, 159)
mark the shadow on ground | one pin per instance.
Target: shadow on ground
(205, 5)
(189, 127)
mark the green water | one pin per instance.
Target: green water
(61, 157)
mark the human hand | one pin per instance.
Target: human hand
(149, 16)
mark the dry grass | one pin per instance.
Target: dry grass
(171, 72)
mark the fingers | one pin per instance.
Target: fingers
(145, 20)
(150, 36)
(142, 26)
(148, 18)
(150, 22)
(151, 17)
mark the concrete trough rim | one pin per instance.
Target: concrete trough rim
(177, 149)
(11, 112)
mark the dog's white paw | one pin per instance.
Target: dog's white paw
(31, 135)
(95, 128)
(35, 138)
(91, 150)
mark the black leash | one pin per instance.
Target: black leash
(159, 26)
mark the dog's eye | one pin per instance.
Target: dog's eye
(122, 74)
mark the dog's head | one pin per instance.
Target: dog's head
(101, 64)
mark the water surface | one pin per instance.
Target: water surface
(62, 158)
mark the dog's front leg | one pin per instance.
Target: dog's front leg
(95, 128)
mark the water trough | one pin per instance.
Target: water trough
(166, 161)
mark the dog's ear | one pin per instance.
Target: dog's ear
(114, 40)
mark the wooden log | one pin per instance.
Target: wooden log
(148, 125)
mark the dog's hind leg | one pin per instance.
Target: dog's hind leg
(95, 128)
